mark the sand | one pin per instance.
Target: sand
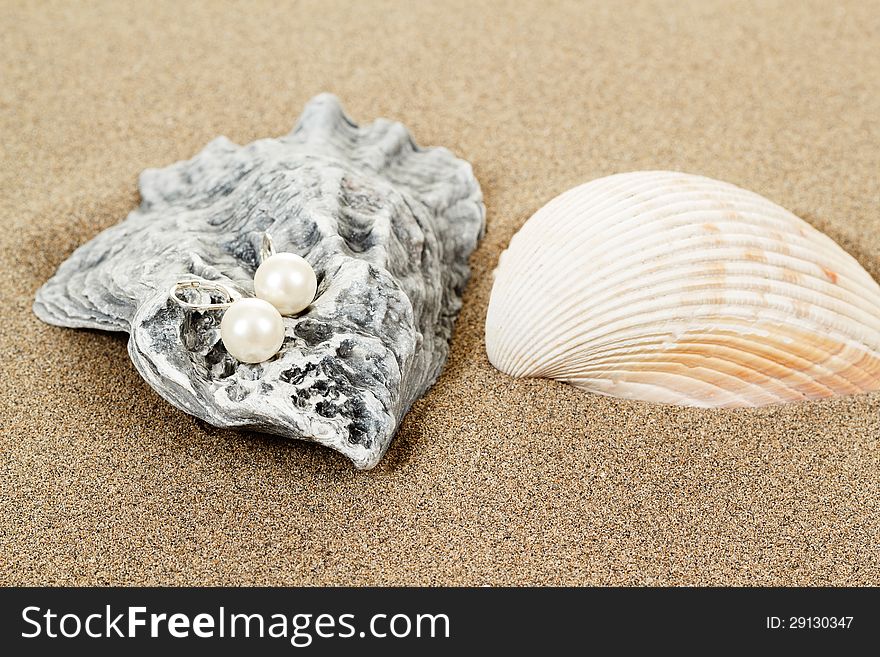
(490, 480)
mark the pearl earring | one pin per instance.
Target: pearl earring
(251, 329)
(285, 280)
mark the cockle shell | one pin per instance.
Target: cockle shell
(675, 288)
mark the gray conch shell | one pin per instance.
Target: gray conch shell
(387, 226)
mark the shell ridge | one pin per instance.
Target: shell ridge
(799, 375)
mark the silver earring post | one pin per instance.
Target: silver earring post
(267, 248)
(203, 286)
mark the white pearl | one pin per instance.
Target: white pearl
(287, 281)
(252, 330)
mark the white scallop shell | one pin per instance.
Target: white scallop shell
(675, 288)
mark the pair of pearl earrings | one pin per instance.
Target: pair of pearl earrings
(252, 329)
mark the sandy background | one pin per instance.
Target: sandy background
(490, 480)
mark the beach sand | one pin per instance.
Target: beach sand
(490, 480)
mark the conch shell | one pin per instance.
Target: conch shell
(674, 288)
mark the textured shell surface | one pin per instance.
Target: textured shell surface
(675, 288)
(388, 228)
